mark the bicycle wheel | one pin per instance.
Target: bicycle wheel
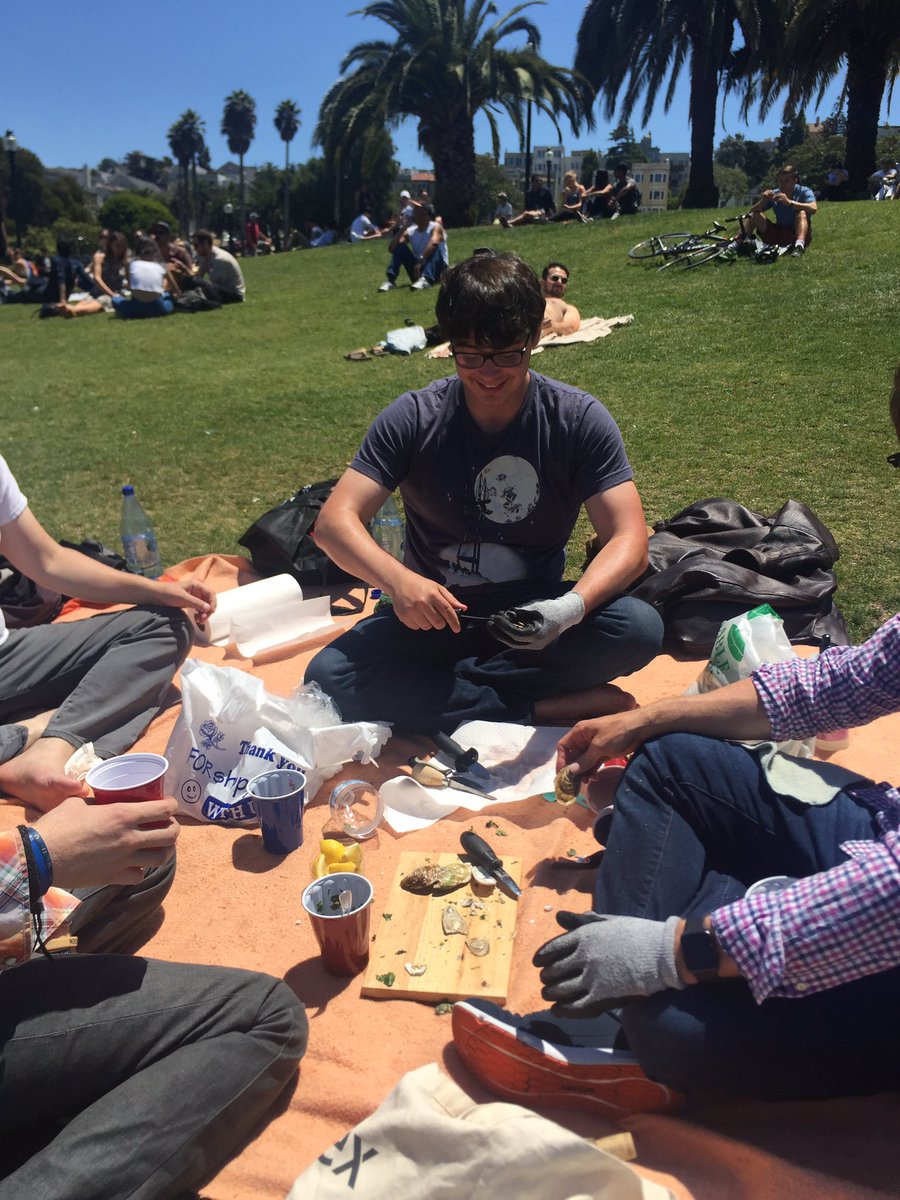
(659, 246)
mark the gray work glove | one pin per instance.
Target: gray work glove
(537, 624)
(603, 961)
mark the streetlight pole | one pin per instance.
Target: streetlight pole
(10, 145)
(228, 209)
(530, 46)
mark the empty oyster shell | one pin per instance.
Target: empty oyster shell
(566, 786)
(415, 968)
(478, 946)
(434, 878)
(452, 920)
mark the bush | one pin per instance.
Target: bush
(129, 211)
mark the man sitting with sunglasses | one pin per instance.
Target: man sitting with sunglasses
(493, 466)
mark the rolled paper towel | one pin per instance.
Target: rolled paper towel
(264, 628)
(246, 602)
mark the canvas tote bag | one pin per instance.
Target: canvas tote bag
(430, 1141)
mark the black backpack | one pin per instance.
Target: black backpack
(282, 541)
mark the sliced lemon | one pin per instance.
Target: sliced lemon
(332, 850)
(319, 866)
(335, 868)
(353, 854)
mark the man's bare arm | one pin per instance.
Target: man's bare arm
(618, 517)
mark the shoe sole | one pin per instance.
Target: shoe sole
(519, 1066)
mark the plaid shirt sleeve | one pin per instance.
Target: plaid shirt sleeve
(16, 932)
(842, 687)
(825, 930)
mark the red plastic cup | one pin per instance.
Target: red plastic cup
(129, 777)
(343, 937)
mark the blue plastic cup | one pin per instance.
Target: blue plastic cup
(278, 798)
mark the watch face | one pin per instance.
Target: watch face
(699, 949)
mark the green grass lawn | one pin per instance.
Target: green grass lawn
(753, 382)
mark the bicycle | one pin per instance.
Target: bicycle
(690, 250)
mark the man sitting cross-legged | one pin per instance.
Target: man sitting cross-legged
(783, 994)
(421, 248)
(106, 677)
(493, 466)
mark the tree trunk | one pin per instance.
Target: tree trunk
(243, 232)
(452, 150)
(866, 77)
(701, 190)
(286, 238)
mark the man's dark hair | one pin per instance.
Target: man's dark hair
(549, 267)
(491, 300)
(622, 166)
(204, 235)
(64, 247)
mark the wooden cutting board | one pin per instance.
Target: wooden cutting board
(413, 933)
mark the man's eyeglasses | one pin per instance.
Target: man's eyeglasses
(558, 278)
(470, 361)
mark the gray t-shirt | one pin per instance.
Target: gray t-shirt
(487, 510)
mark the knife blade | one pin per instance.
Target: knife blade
(483, 856)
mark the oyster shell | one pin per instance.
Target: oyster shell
(415, 968)
(478, 946)
(434, 878)
(452, 920)
(566, 786)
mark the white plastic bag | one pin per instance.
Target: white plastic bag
(742, 645)
(231, 729)
(405, 340)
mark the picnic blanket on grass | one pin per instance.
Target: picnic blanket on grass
(232, 904)
(590, 330)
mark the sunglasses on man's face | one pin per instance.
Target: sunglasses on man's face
(558, 278)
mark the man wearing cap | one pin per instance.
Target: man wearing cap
(171, 252)
(420, 248)
(559, 317)
(504, 209)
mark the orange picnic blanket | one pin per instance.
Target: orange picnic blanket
(233, 904)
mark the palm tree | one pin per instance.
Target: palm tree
(823, 36)
(287, 122)
(640, 44)
(179, 144)
(444, 66)
(187, 142)
(238, 127)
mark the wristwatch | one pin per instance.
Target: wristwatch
(700, 950)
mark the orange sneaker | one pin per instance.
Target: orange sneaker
(507, 1055)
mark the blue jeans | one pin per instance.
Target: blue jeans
(427, 681)
(432, 268)
(135, 1078)
(163, 307)
(695, 824)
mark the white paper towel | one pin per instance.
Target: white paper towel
(254, 632)
(522, 757)
(252, 601)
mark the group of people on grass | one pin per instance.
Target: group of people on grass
(706, 990)
(151, 279)
(602, 200)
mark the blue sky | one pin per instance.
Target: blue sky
(86, 79)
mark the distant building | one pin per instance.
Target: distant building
(887, 131)
(679, 168)
(100, 185)
(653, 180)
(550, 162)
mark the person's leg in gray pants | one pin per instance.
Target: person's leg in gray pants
(106, 676)
(160, 1071)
